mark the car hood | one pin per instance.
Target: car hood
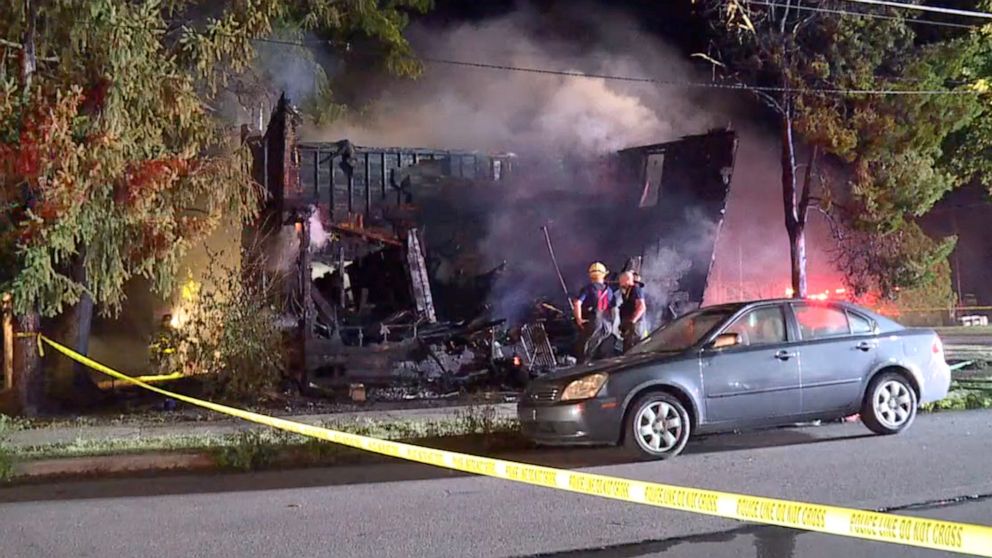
(611, 365)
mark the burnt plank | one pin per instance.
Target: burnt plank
(419, 281)
(367, 186)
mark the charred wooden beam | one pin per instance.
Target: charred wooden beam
(333, 200)
(368, 187)
(419, 282)
(383, 178)
(367, 234)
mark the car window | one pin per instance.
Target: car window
(761, 326)
(685, 331)
(859, 324)
(817, 322)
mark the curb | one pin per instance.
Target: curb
(207, 461)
(110, 465)
(65, 434)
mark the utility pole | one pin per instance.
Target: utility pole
(740, 271)
(957, 260)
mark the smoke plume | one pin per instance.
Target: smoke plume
(318, 236)
(558, 126)
(661, 271)
(503, 110)
(552, 121)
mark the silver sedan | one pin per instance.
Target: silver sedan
(739, 366)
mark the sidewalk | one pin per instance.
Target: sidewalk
(46, 436)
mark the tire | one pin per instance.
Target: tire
(890, 404)
(651, 442)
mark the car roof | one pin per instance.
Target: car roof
(885, 322)
(783, 300)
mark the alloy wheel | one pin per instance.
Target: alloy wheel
(893, 403)
(658, 427)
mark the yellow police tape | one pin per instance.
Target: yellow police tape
(906, 530)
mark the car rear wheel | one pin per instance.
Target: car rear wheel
(890, 405)
(657, 426)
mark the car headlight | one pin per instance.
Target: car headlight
(584, 388)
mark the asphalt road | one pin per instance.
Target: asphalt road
(940, 468)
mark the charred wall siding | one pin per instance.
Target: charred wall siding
(692, 198)
(346, 180)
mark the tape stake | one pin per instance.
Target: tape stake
(963, 538)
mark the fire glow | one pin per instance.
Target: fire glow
(188, 294)
(824, 295)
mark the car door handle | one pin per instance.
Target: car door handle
(785, 355)
(866, 346)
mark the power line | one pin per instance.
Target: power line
(637, 79)
(866, 14)
(694, 84)
(922, 8)
(289, 43)
(665, 82)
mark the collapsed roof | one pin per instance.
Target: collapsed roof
(456, 234)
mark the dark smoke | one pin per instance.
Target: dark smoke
(550, 122)
(559, 128)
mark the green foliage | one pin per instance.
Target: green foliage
(225, 330)
(259, 448)
(960, 400)
(898, 162)
(480, 420)
(472, 431)
(250, 450)
(968, 150)
(933, 288)
(893, 142)
(112, 159)
(6, 457)
(906, 266)
(222, 50)
(895, 147)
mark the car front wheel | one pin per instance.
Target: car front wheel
(890, 405)
(657, 426)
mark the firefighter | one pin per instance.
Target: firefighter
(595, 310)
(632, 309)
(164, 346)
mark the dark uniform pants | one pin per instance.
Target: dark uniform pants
(632, 333)
(593, 338)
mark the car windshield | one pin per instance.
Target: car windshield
(685, 331)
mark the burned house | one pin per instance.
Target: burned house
(414, 262)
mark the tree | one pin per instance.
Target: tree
(224, 47)
(968, 150)
(878, 264)
(112, 160)
(822, 76)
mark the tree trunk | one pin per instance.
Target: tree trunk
(7, 376)
(28, 56)
(797, 252)
(72, 382)
(795, 223)
(29, 379)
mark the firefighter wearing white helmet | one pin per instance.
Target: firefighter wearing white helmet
(595, 310)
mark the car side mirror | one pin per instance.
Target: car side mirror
(725, 340)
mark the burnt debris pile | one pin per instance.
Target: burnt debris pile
(430, 268)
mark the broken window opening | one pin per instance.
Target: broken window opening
(652, 180)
